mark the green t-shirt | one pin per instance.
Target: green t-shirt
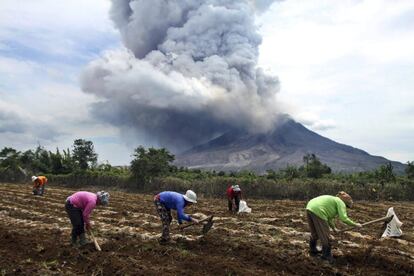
(329, 207)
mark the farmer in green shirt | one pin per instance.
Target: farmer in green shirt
(321, 211)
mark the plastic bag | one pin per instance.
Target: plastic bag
(393, 227)
(243, 208)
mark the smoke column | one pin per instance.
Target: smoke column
(188, 72)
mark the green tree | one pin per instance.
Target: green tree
(84, 154)
(56, 161)
(67, 161)
(409, 170)
(10, 165)
(9, 158)
(314, 167)
(385, 173)
(290, 172)
(150, 163)
(41, 161)
(27, 159)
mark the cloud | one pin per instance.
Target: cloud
(263, 5)
(347, 67)
(188, 73)
(313, 121)
(14, 120)
(46, 30)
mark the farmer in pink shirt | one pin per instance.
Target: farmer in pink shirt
(79, 207)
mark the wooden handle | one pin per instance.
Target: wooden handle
(191, 224)
(386, 219)
(95, 242)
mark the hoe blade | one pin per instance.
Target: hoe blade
(208, 225)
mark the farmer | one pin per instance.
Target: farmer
(39, 184)
(79, 206)
(321, 212)
(233, 193)
(165, 201)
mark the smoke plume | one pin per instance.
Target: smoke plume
(188, 72)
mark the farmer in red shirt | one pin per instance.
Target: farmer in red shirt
(234, 193)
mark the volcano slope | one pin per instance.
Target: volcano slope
(272, 240)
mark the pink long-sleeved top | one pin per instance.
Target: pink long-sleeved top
(85, 201)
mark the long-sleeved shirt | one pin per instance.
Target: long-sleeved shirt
(175, 201)
(40, 181)
(329, 207)
(231, 194)
(85, 201)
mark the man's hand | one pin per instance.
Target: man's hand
(196, 221)
(359, 225)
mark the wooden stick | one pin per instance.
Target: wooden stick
(95, 242)
(191, 224)
(386, 219)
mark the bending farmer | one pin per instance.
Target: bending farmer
(166, 201)
(233, 193)
(79, 207)
(39, 184)
(321, 212)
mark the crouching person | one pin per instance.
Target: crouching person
(165, 201)
(233, 194)
(79, 207)
(39, 183)
(321, 211)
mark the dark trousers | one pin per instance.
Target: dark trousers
(319, 229)
(236, 201)
(166, 218)
(39, 190)
(76, 218)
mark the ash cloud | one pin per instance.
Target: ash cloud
(188, 72)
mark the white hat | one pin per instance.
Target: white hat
(34, 178)
(103, 197)
(236, 188)
(190, 196)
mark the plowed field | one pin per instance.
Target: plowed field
(272, 240)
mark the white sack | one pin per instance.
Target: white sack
(393, 227)
(243, 208)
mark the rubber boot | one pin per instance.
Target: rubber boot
(327, 254)
(82, 239)
(163, 241)
(73, 241)
(313, 251)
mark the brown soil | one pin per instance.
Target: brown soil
(272, 240)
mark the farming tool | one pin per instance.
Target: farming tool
(385, 219)
(206, 227)
(95, 242)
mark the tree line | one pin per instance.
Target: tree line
(151, 163)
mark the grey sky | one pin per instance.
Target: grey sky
(345, 70)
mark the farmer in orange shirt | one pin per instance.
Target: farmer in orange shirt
(39, 184)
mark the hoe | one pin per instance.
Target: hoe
(206, 227)
(95, 242)
(391, 224)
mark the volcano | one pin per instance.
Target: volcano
(285, 145)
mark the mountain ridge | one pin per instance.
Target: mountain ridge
(285, 145)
